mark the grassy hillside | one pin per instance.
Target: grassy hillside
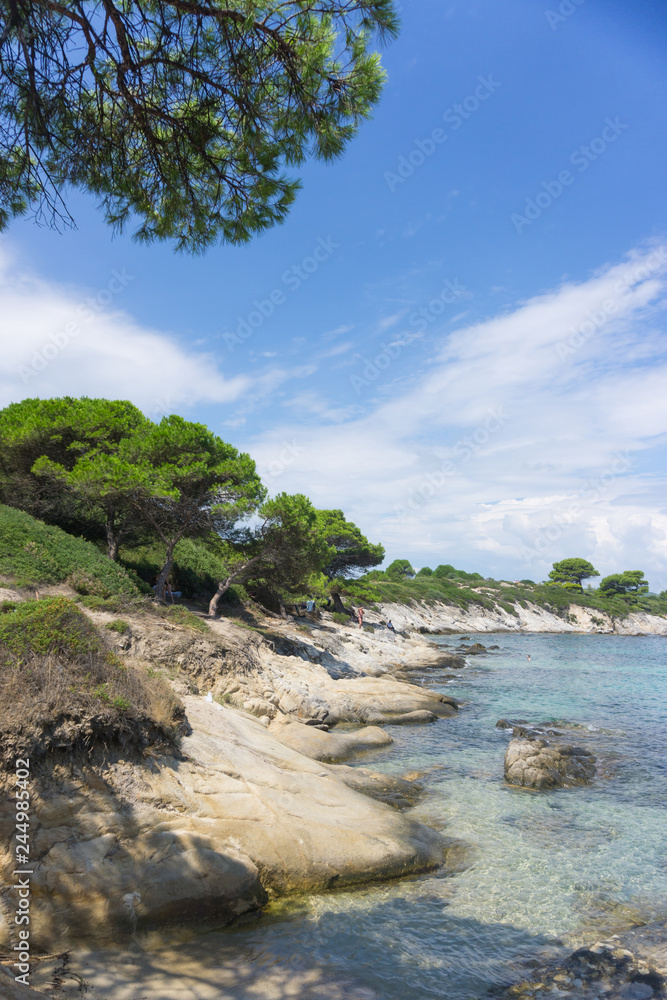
(33, 553)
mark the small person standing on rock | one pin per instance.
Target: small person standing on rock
(360, 616)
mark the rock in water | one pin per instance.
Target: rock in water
(535, 763)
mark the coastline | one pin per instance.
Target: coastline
(275, 713)
(442, 619)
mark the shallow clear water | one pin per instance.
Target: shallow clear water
(540, 866)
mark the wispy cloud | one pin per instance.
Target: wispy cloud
(578, 378)
(79, 341)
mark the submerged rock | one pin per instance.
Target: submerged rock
(630, 966)
(534, 763)
(509, 723)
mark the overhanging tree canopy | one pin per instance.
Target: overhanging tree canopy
(53, 435)
(180, 113)
(351, 551)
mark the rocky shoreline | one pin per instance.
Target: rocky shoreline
(443, 618)
(258, 803)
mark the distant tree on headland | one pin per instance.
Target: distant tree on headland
(448, 572)
(400, 569)
(628, 584)
(569, 573)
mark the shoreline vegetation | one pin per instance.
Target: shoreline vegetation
(187, 768)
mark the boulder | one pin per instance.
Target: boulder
(534, 763)
(418, 717)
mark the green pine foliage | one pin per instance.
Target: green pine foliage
(186, 120)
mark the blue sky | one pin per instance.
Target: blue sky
(458, 336)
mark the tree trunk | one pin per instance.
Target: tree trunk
(166, 570)
(113, 538)
(338, 604)
(224, 585)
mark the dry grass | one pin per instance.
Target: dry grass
(62, 687)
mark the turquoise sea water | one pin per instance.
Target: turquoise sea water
(537, 868)
(542, 866)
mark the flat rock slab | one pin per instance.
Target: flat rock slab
(143, 844)
(534, 763)
(318, 745)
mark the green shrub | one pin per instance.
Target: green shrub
(340, 618)
(119, 626)
(88, 585)
(51, 626)
(196, 571)
(32, 552)
(111, 604)
(178, 615)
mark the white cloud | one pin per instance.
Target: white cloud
(67, 341)
(554, 402)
